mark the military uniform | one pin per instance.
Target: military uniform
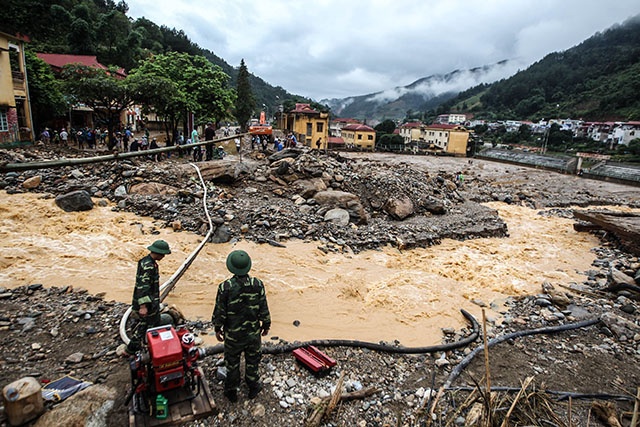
(147, 291)
(241, 315)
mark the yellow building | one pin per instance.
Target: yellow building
(16, 123)
(411, 132)
(359, 136)
(308, 125)
(451, 139)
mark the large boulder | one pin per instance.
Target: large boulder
(75, 201)
(399, 207)
(341, 199)
(309, 187)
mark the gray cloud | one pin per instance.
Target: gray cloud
(331, 48)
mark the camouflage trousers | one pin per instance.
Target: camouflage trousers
(233, 350)
(144, 323)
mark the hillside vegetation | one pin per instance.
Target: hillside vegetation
(597, 80)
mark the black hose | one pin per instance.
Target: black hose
(547, 330)
(369, 345)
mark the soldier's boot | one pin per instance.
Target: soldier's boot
(232, 395)
(254, 389)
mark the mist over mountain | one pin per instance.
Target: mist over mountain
(423, 94)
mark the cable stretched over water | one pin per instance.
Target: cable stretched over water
(387, 348)
(167, 286)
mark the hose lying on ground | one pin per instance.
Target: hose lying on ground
(167, 286)
(455, 373)
(388, 348)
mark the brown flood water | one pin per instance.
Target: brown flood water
(375, 295)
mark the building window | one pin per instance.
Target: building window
(4, 123)
(319, 127)
(370, 137)
(309, 129)
(359, 136)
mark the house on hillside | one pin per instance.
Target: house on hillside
(16, 122)
(626, 132)
(81, 115)
(451, 118)
(359, 136)
(307, 124)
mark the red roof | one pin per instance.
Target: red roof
(359, 128)
(341, 120)
(335, 140)
(304, 108)
(411, 125)
(57, 61)
(442, 126)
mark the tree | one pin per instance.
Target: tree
(99, 89)
(193, 85)
(385, 127)
(245, 101)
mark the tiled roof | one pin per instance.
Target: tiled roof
(335, 140)
(58, 61)
(442, 126)
(359, 127)
(304, 108)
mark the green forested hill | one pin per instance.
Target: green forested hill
(596, 80)
(102, 28)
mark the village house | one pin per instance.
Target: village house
(359, 136)
(336, 125)
(451, 119)
(16, 122)
(451, 139)
(411, 131)
(308, 125)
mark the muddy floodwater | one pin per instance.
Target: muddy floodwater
(374, 295)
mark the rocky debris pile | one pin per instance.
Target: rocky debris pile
(348, 205)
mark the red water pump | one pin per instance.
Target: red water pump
(168, 363)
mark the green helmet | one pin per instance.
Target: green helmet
(160, 247)
(239, 262)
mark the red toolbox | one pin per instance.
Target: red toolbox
(314, 359)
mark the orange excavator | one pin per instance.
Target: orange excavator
(261, 128)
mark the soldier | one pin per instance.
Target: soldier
(240, 315)
(146, 295)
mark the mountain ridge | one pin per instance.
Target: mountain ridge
(422, 94)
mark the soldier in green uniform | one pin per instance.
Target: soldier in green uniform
(240, 317)
(146, 295)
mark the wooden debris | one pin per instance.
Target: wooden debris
(328, 404)
(606, 412)
(626, 226)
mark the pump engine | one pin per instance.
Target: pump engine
(169, 362)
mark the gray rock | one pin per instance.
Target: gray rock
(337, 216)
(75, 201)
(120, 191)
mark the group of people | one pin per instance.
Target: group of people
(240, 316)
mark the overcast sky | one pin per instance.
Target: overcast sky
(335, 49)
